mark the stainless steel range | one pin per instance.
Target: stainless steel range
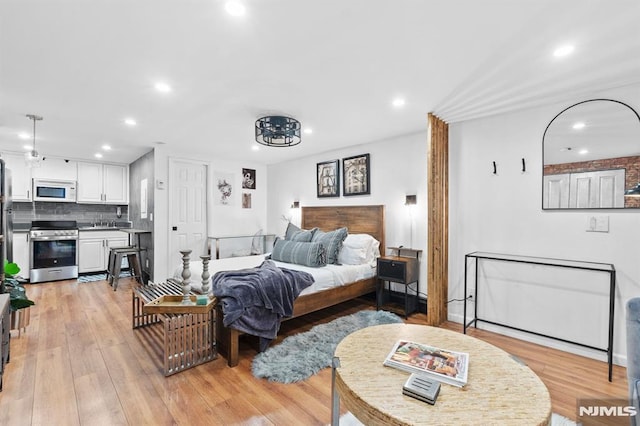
(53, 248)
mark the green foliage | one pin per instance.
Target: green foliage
(11, 269)
(17, 293)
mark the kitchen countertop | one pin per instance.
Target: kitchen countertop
(120, 226)
(101, 228)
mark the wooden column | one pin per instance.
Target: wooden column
(438, 220)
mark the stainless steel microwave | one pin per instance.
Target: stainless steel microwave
(61, 191)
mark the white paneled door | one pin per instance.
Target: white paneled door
(584, 190)
(188, 209)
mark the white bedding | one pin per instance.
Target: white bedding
(325, 277)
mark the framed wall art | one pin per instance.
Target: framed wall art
(356, 173)
(224, 185)
(248, 179)
(328, 178)
(246, 200)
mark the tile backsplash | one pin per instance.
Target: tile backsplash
(83, 213)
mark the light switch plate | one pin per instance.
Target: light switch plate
(598, 224)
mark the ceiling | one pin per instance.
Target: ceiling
(335, 65)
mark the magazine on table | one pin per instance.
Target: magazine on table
(440, 364)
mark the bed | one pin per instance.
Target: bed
(358, 220)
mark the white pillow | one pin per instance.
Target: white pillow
(358, 249)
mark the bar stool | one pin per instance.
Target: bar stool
(116, 254)
(112, 259)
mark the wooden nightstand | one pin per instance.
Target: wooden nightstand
(399, 269)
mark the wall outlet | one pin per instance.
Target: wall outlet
(598, 224)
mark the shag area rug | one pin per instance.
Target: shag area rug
(556, 420)
(301, 356)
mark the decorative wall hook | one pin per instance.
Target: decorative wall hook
(495, 168)
(524, 167)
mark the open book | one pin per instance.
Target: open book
(440, 364)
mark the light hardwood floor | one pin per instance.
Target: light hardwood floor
(80, 363)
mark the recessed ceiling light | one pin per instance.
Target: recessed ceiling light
(162, 87)
(27, 147)
(255, 148)
(235, 8)
(308, 131)
(106, 147)
(579, 125)
(130, 122)
(584, 151)
(565, 50)
(398, 103)
(97, 155)
(23, 135)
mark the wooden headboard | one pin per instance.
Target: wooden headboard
(357, 219)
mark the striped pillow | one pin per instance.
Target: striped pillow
(293, 233)
(300, 253)
(332, 242)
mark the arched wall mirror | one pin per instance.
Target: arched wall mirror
(591, 157)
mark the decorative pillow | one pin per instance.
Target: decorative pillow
(332, 242)
(359, 249)
(300, 253)
(293, 233)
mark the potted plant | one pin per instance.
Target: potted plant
(20, 303)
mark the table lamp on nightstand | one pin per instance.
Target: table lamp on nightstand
(410, 202)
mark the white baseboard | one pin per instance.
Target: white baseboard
(618, 359)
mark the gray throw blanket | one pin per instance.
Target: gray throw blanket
(254, 300)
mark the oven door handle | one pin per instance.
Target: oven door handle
(55, 238)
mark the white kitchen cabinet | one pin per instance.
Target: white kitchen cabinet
(20, 176)
(94, 246)
(91, 255)
(56, 169)
(103, 183)
(21, 252)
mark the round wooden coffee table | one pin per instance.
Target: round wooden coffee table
(499, 389)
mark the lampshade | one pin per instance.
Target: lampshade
(633, 192)
(411, 200)
(278, 130)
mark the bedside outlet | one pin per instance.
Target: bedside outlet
(598, 224)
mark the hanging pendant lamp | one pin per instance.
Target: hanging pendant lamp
(32, 158)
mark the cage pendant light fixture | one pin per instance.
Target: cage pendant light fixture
(32, 158)
(277, 130)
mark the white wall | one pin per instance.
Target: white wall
(230, 220)
(398, 168)
(502, 213)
